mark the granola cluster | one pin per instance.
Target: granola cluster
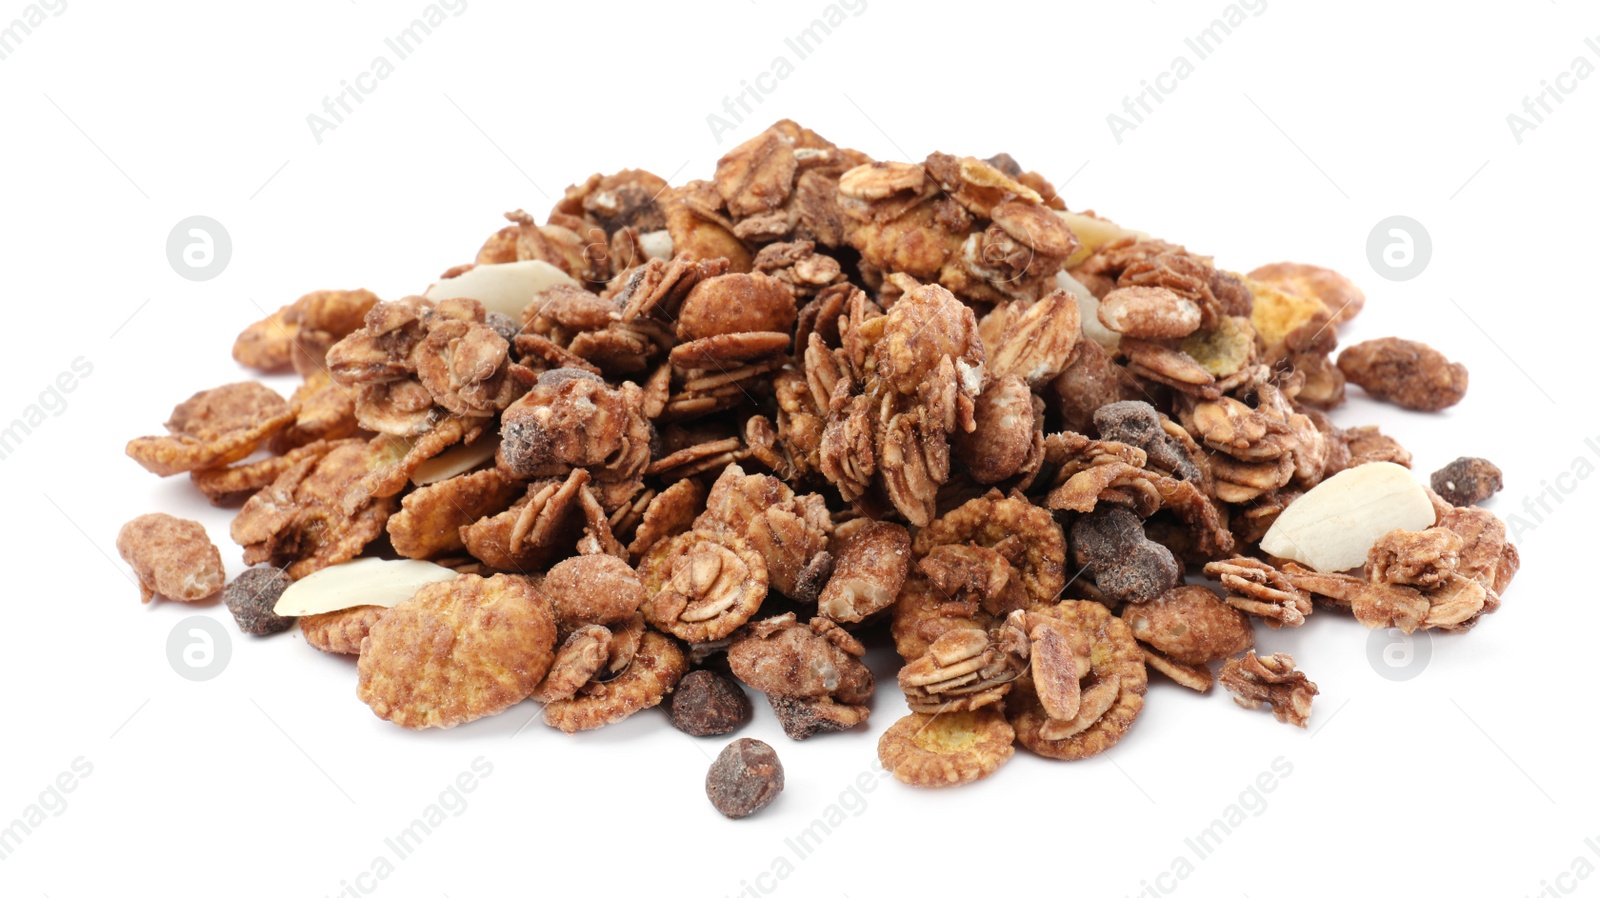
(735, 433)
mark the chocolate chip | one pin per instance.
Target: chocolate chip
(709, 704)
(1467, 481)
(251, 596)
(744, 778)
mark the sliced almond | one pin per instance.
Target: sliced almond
(1093, 233)
(365, 581)
(1088, 311)
(1334, 526)
(458, 460)
(506, 288)
(657, 245)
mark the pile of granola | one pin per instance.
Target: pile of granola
(751, 425)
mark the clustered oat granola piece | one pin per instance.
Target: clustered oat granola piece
(731, 434)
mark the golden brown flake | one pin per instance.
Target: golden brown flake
(1112, 691)
(1272, 680)
(654, 670)
(172, 558)
(340, 632)
(948, 749)
(213, 427)
(456, 651)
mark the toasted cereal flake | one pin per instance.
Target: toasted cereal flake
(657, 667)
(1112, 690)
(949, 749)
(456, 651)
(213, 427)
(340, 632)
(172, 558)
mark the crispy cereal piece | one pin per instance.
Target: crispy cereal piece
(869, 570)
(656, 668)
(584, 654)
(457, 651)
(1190, 676)
(670, 513)
(789, 531)
(172, 557)
(397, 458)
(1343, 299)
(1190, 625)
(949, 749)
(323, 410)
(802, 718)
(340, 632)
(593, 589)
(1273, 680)
(430, 518)
(1111, 695)
(783, 657)
(1410, 374)
(213, 427)
(702, 586)
(1008, 525)
(299, 520)
(268, 344)
(236, 483)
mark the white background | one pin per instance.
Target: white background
(1308, 125)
